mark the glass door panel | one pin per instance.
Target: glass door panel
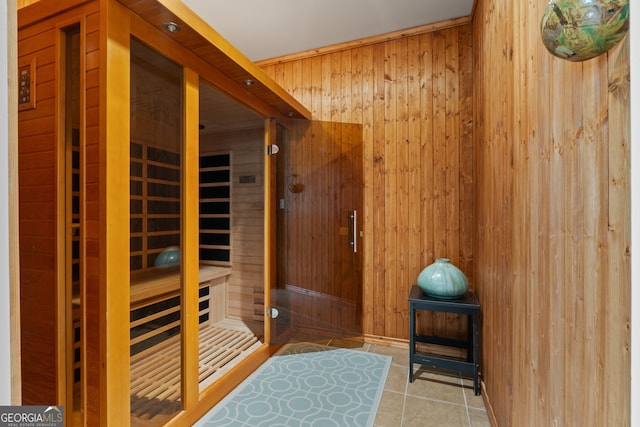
(156, 231)
(231, 233)
(317, 293)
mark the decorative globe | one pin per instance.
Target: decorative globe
(443, 280)
(577, 30)
(168, 257)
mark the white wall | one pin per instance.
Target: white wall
(635, 213)
(5, 321)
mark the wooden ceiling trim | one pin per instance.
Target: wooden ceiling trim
(366, 41)
(198, 37)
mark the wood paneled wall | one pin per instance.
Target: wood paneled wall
(413, 97)
(246, 283)
(41, 212)
(553, 214)
(38, 222)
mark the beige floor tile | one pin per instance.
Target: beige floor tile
(419, 412)
(473, 401)
(400, 356)
(390, 410)
(397, 379)
(437, 397)
(479, 418)
(438, 387)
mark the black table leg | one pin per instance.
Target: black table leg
(412, 340)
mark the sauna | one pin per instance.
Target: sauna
(180, 214)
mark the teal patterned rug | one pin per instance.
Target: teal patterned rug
(306, 385)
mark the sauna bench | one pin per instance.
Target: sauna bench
(163, 283)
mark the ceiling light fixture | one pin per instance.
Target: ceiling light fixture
(172, 27)
(248, 82)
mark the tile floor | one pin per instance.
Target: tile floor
(433, 399)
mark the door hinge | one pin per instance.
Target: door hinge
(272, 312)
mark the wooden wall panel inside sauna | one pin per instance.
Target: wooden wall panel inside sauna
(246, 283)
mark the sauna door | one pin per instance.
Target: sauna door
(318, 178)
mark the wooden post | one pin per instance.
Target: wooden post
(190, 215)
(114, 228)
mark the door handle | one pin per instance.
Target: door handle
(353, 230)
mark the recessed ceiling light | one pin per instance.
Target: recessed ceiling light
(172, 27)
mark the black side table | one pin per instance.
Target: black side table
(467, 304)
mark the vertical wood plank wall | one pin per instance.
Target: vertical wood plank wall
(553, 215)
(246, 283)
(413, 97)
(39, 189)
(38, 177)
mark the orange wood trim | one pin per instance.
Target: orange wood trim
(487, 403)
(114, 230)
(41, 10)
(386, 341)
(63, 252)
(367, 41)
(473, 10)
(190, 218)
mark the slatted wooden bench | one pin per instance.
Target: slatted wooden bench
(155, 342)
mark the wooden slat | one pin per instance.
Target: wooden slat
(617, 404)
(155, 373)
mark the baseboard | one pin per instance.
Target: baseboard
(386, 341)
(421, 347)
(487, 405)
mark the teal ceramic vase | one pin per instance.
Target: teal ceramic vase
(168, 257)
(443, 280)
